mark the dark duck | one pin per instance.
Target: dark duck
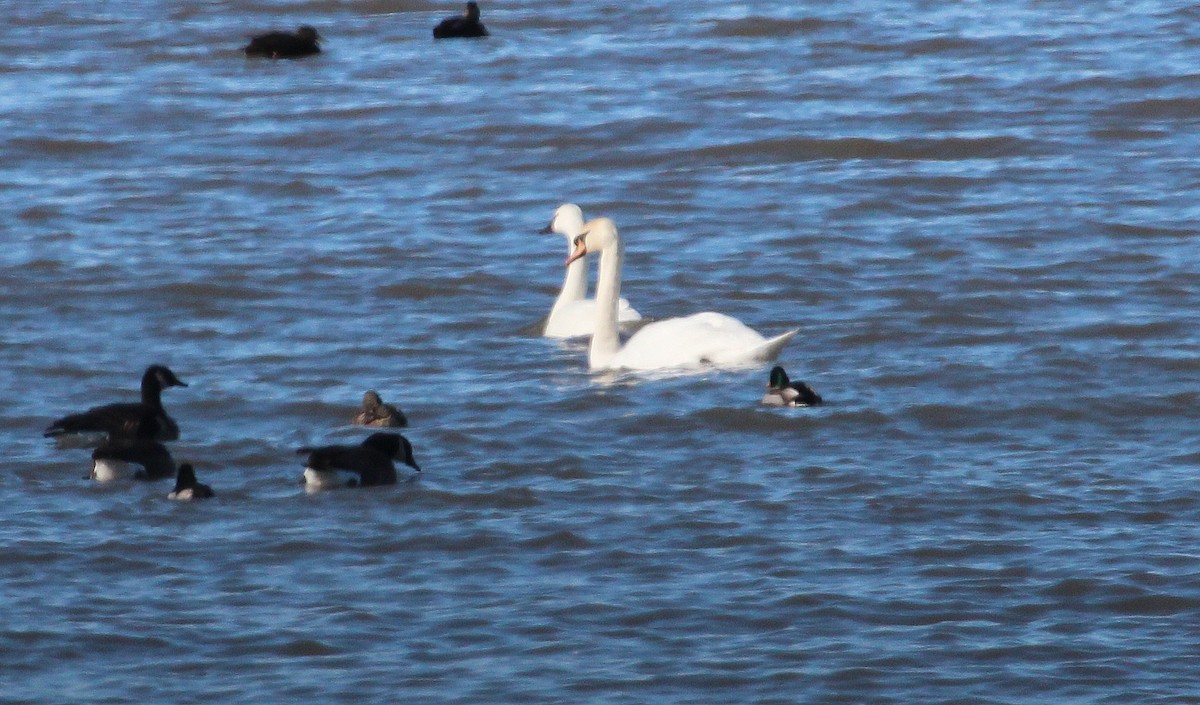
(783, 392)
(187, 487)
(365, 465)
(285, 45)
(131, 420)
(464, 26)
(375, 413)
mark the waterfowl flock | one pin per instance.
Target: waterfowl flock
(130, 435)
(128, 444)
(128, 438)
(306, 40)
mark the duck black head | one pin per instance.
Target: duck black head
(372, 400)
(185, 477)
(472, 12)
(779, 378)
(308, 33)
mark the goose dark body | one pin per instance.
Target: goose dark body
(155, 459)
(128, 421)
(464, 26)
(372, 460)
(305, 41)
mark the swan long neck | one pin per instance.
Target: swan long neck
(605, 340)
(574, 286)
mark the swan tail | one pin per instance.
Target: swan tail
(770, 349)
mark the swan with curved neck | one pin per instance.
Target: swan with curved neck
(573, 314)
(699, 340)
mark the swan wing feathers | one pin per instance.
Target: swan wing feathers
(706, 338)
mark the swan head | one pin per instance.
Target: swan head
(599, 234)
(567, 221)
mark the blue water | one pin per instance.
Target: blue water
(981, 217)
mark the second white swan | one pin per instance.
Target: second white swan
(573, 314)
(696, 341)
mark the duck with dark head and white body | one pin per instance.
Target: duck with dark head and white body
(781, 391)
(692, 343)
(187, 487)
(574, 314)
(365, 465)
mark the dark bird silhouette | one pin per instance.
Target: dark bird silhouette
(375, 413)
(464, 26)
(285, 45)
(116, 460)
(186, 486)
(370, 463)
(128, 421)
(783, 392)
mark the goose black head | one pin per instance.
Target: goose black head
(163, 376)
(394, 446)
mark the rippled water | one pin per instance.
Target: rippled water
(981, 216)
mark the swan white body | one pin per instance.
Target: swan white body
(573, 314)
(697, 341)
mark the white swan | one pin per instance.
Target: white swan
(701, 339)
(573, 314)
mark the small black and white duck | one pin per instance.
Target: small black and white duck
(123, 420)
(363, 465)
(783, 392)
(186, 486)
(464, 26)
(375, 413)
(285, 45)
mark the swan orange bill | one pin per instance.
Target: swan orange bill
(580, 249)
